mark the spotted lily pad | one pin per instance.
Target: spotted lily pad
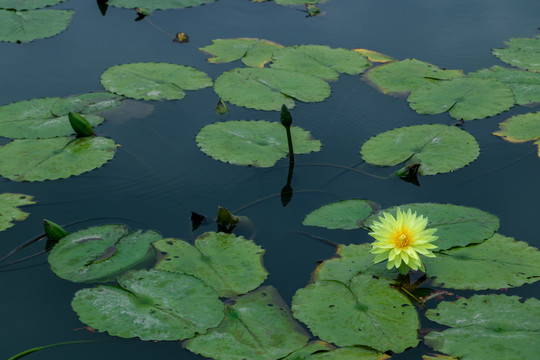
(231, 265)
(486, 327)
(100, 253)
(151, 305)
(523, 53)
(502, 261)
(57, 158)
(437, 148)
(257, 143)
(153, 81)
(157, 4)
(26, 26)
(253, 52)
(374, 56)
(9, 208)
(268, 89)
(27, 4)
(318, 60)
(345, 214)
(464, 98)
(521, 128)
(257, 325)
(401, 77)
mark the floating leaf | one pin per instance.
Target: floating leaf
(231, 265)
(521, 128)
(153, 81)
(437, 148)
(9, 208)
(345, 214)
(487, 327)
(86, 103)
(313, 347)
(465, 98)
(100, 253)
(25, 26)
(401, 77)
(157, 4)
(502, 262)
(268, 89)
(318, 60)
(524, 84)
(257, 143)
(456, 225)
(151, 305)
(258, 326)
(296, 2)
(367, 312)
(50, 159)
(253, 52)
(349, 353)
(27, 4)
(374, 56)
(523, 53)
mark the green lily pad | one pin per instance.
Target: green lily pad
(57, 158)
(374, 56)
(401, 77)
(296, 2)
(345, 214)
(257, 325)
(502, 262)
(521, 128)
(151, 305)
(157, 4)
(487, 327)
(100, 253)
(9, 208)
(437, 148)
(86, 103)
(367, 312)
(258, 143)
(27, 4)
(268, 89)
(26, 26)
(253, 52)
(312, 347)
(349, 353)
(524, 84)
(523, 53)
(456, 225)
(318, 60)
(464, 98)
(231, 265)
(153, 81)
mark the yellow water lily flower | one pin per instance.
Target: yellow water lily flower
(401, 239)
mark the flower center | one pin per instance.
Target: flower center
(402, 241)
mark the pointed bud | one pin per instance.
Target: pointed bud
(313, 9)
(54, 233)
(80, 125)
(286, 117)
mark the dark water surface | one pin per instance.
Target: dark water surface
(158, 175)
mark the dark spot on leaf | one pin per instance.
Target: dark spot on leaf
(270, 305)
(169, 242)
(331, 306)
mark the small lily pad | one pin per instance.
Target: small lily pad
(437, 148)
(502, 262)
(487, 327)
(464, 98)
(296, 2)
(521, 128)
(26, 26)
(9, 208)
(151, 305)
(523, 53)
(345, 214)
(253, 52)
(257, 143)
(153, 81)
(157, 4)
(268, 89)
(374, 56)
(27, 4)
(86, 103)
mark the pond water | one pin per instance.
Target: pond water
(159, 175)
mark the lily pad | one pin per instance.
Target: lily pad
(367, 312)
(523, 53)
(27, 4)
(456, 225)
(524, 84)
(157, 4)
(437, 148)
(257, 143)
(9, 208)
(100, 253)
(268, 89)
(374, 56)
(312, 347)
(521, 128)
(345, 214)
(57, 158)
(258, 326)
(153, 81)
(297, 2)
(487, 327)
(25, 26)
(502, 262)
(151, 305)
(464, 98)
(318, 60)
(401, 77)
(86, 103)
(231, 265)
(253, 52)
(349, 353)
